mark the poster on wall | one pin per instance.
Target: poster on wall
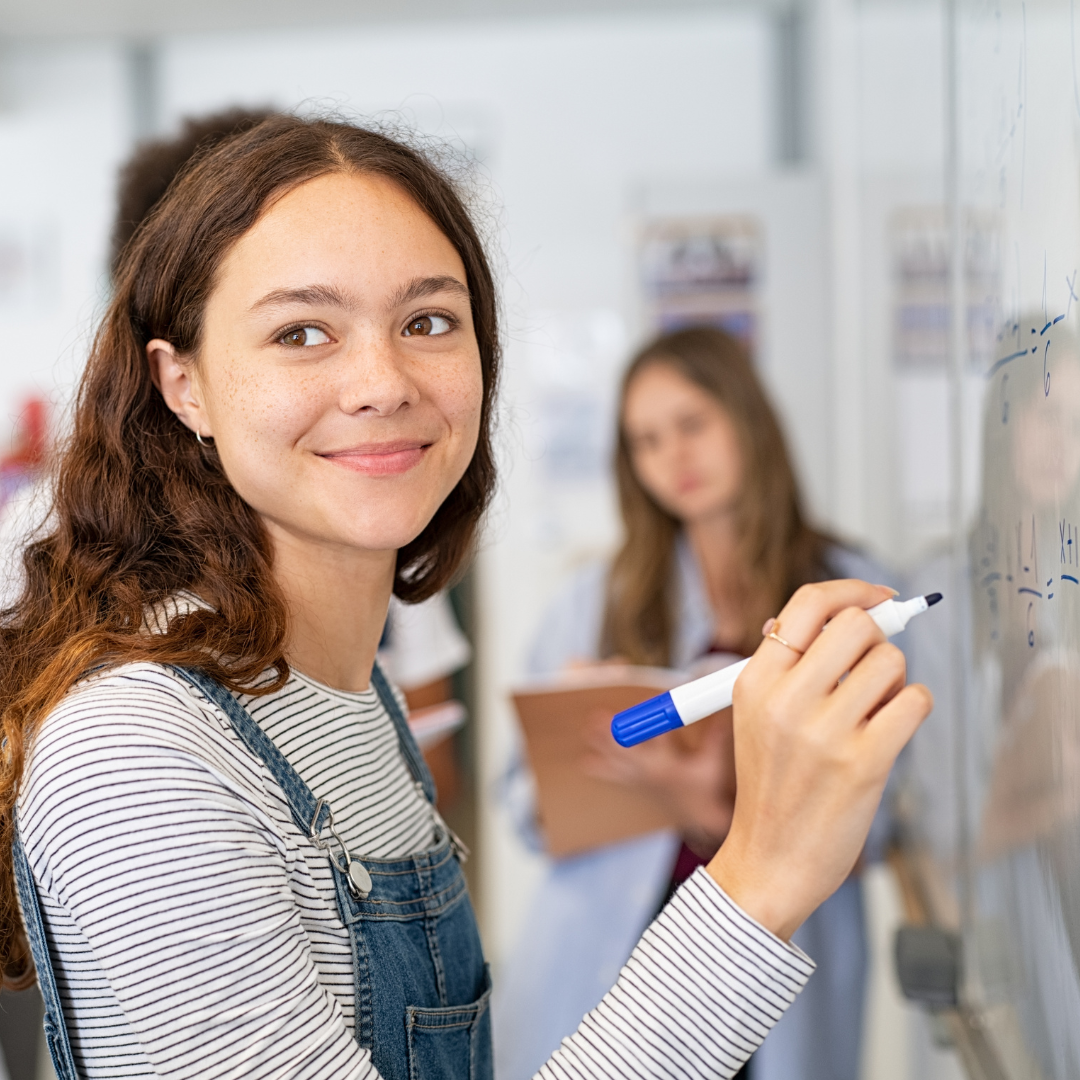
(704, 272)
(919, 248)
(919, 243)
(29, 264)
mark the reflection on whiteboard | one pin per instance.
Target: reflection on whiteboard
(1026, 658)
(704, 272)
(995, 784)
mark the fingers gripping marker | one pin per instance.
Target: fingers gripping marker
(695, 700)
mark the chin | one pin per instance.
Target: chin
(367, 531)
(383, 533)
(380, 539)
(689, 511)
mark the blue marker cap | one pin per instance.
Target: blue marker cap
(641, 722)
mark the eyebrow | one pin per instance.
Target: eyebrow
(327, 295)
(421, 287)
(332, 296)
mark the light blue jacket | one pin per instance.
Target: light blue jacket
(590, 910)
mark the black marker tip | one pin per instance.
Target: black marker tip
(932, 598)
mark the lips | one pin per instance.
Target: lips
(685, 484)
(380, 459)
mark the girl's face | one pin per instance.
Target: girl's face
(683, 445)
(339, 374)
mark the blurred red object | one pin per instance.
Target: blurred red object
(29, 446)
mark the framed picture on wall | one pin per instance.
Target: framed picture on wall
(704, 271)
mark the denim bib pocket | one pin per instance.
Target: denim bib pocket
(440, 1040)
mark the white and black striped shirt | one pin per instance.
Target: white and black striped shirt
(194, 929)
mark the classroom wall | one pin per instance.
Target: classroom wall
(64, 128)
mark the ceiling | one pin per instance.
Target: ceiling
(151, 18)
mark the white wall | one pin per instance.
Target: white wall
(879, 138)
(63, 131)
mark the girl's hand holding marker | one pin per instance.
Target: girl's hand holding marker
(810, 765)
(703, 697)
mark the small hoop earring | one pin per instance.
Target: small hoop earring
(199, 439)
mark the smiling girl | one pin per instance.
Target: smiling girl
(223, 838)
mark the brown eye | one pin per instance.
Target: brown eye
(427, 326)
(304, 335)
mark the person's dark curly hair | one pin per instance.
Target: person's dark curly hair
(147, 174)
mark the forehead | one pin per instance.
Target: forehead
(659, 388)
(343, 227)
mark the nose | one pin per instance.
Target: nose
(376, 379)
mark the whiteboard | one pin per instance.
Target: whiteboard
(992, 801)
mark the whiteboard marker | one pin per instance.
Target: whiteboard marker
(695, 700)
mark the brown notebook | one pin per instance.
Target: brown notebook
(578, 812)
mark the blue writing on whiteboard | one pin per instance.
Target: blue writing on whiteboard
(1007, 360)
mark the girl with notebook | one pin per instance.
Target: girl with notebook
(715, 539)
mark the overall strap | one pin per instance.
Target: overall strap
(309, 814)
(409, 750)
(55, 1029)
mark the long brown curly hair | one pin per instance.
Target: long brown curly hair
(780, 550)
(141, 511)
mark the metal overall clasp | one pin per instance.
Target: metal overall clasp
(356, 874)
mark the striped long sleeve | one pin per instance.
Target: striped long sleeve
(696, 998)
(194, 929)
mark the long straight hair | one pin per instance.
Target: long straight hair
(779, 550)
(142, 511)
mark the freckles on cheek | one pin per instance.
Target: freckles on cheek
(229, 391)
(457, 395)
(265, 408)
(467, 392)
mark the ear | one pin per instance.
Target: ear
(178, 388)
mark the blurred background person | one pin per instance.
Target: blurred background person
(147, 174)
(715, 542)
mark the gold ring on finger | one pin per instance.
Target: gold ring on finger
(776, 637)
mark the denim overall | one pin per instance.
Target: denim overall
(420, 982)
